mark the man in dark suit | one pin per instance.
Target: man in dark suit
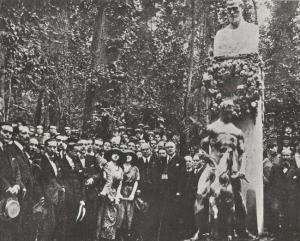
(149, 177)
(74, 196)
(18, 150)
(171, 188)
(54, 192)
(10, 181)
(90, 175)
(37, 193)
(284, 181)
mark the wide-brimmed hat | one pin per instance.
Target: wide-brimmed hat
(9, 208)
(132, 154)
(109, 153)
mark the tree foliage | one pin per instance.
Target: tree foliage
(54, 69)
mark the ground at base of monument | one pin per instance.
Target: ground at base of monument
(243, 239)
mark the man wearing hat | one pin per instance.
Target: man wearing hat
(67, 131)
(122, 130)
(53, 131)
(129, 131)
(10, 184)
(140, 126)
(149, 136)
(139, 134)
(239, 37)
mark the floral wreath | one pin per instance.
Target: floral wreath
(246, 69)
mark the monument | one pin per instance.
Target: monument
(235, 74)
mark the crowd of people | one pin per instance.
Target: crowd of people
(133, 186)
(281, 187)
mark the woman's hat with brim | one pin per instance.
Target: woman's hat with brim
(109, 153)
(132, 154)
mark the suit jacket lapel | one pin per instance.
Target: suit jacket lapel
(50, 166)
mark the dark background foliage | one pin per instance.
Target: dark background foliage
(79, 62)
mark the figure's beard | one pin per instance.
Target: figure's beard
(235, 21)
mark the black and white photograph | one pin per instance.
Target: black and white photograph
(149, 120)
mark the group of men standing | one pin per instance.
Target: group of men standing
(57, 183)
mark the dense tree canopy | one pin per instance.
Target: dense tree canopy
(74, 62)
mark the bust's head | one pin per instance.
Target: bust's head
(234, 11)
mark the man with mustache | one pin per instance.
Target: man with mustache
(239, 37)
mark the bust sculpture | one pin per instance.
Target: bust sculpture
(239, 37)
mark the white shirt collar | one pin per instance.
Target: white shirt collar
(70, 161)
(147, 159)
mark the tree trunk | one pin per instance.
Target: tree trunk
(39, 109)
(185, 136)
(98, 58)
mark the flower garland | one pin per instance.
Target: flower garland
(238, 78)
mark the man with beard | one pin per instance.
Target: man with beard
(18, 150)
(10, 181)
(54, 192)
(239, 37)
